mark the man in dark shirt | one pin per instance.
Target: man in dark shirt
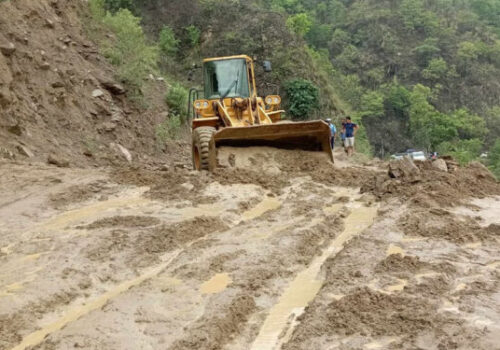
(349, 130)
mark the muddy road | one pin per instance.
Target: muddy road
(272, 252)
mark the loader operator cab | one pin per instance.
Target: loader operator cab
(226, 78)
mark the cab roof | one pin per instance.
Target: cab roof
(227, 58)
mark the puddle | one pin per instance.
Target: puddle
(473, 245)
(11, 289)
(493, 265)
(306, 285)
(397, 287)
(74, 216)
(266, 205)
(334, 209)
(97, 303)
(394, 249)
(380, 344)
(216, 284)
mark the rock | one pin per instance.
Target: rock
(16, 130)
(107, 126)
(45, 66)
(117, 147)
(404, 168)
(6, 154)
(7, 48)
(59, 162)
(97, 93)
(49, 23)
(25, 151)
(164, 167)
(440, 165)
(57, 84)
(114, 88)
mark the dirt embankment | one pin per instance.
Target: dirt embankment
(58, 95)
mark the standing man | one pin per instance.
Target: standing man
(350, 130)
(342, 134)
(333, 133)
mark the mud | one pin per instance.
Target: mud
(173, 259)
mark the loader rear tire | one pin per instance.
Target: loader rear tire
(204, 157)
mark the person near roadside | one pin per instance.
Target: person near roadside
(333, 133)
(349, 129)
(342, 134)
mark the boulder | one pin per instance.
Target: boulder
(57, 161)
(122, 150)
(404, 169)
(7, 48)
(97, 93)
(440, 164)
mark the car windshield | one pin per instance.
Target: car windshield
(226, 78)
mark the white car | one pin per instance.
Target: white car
(419, 155)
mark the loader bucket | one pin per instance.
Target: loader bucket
(309, 136)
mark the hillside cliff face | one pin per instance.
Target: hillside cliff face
(58, 97)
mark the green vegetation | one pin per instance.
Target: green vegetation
(176, 99)
(414, 73)
(494, 159)
(303, 97)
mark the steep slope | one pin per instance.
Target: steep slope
(57, 94)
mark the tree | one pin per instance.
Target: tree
(303, 97)
(299, 24)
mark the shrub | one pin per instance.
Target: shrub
(128, 50)
(302, 97)
(177, 98)
(167, 42)
(193, 35)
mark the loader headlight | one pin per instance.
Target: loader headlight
(273, 100)
(201, 104)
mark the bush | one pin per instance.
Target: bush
(193, 35)
(303, 97)
(177, 98)
(128, 50)
(167, 42)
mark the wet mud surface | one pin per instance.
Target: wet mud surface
(275, 250)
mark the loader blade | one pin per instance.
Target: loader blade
(309, 136)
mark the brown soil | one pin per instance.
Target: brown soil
(431, 187)
(46, 86)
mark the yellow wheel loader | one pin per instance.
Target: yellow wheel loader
(232, 114)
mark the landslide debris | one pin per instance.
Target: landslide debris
(423, 184)
(49, 72)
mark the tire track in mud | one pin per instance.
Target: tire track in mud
(282, 318)
(63, 221)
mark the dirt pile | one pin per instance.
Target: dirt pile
(214, 333)
(438, 223)
(427, 185)
(58, 96)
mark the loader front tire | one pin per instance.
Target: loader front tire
(204, 156)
